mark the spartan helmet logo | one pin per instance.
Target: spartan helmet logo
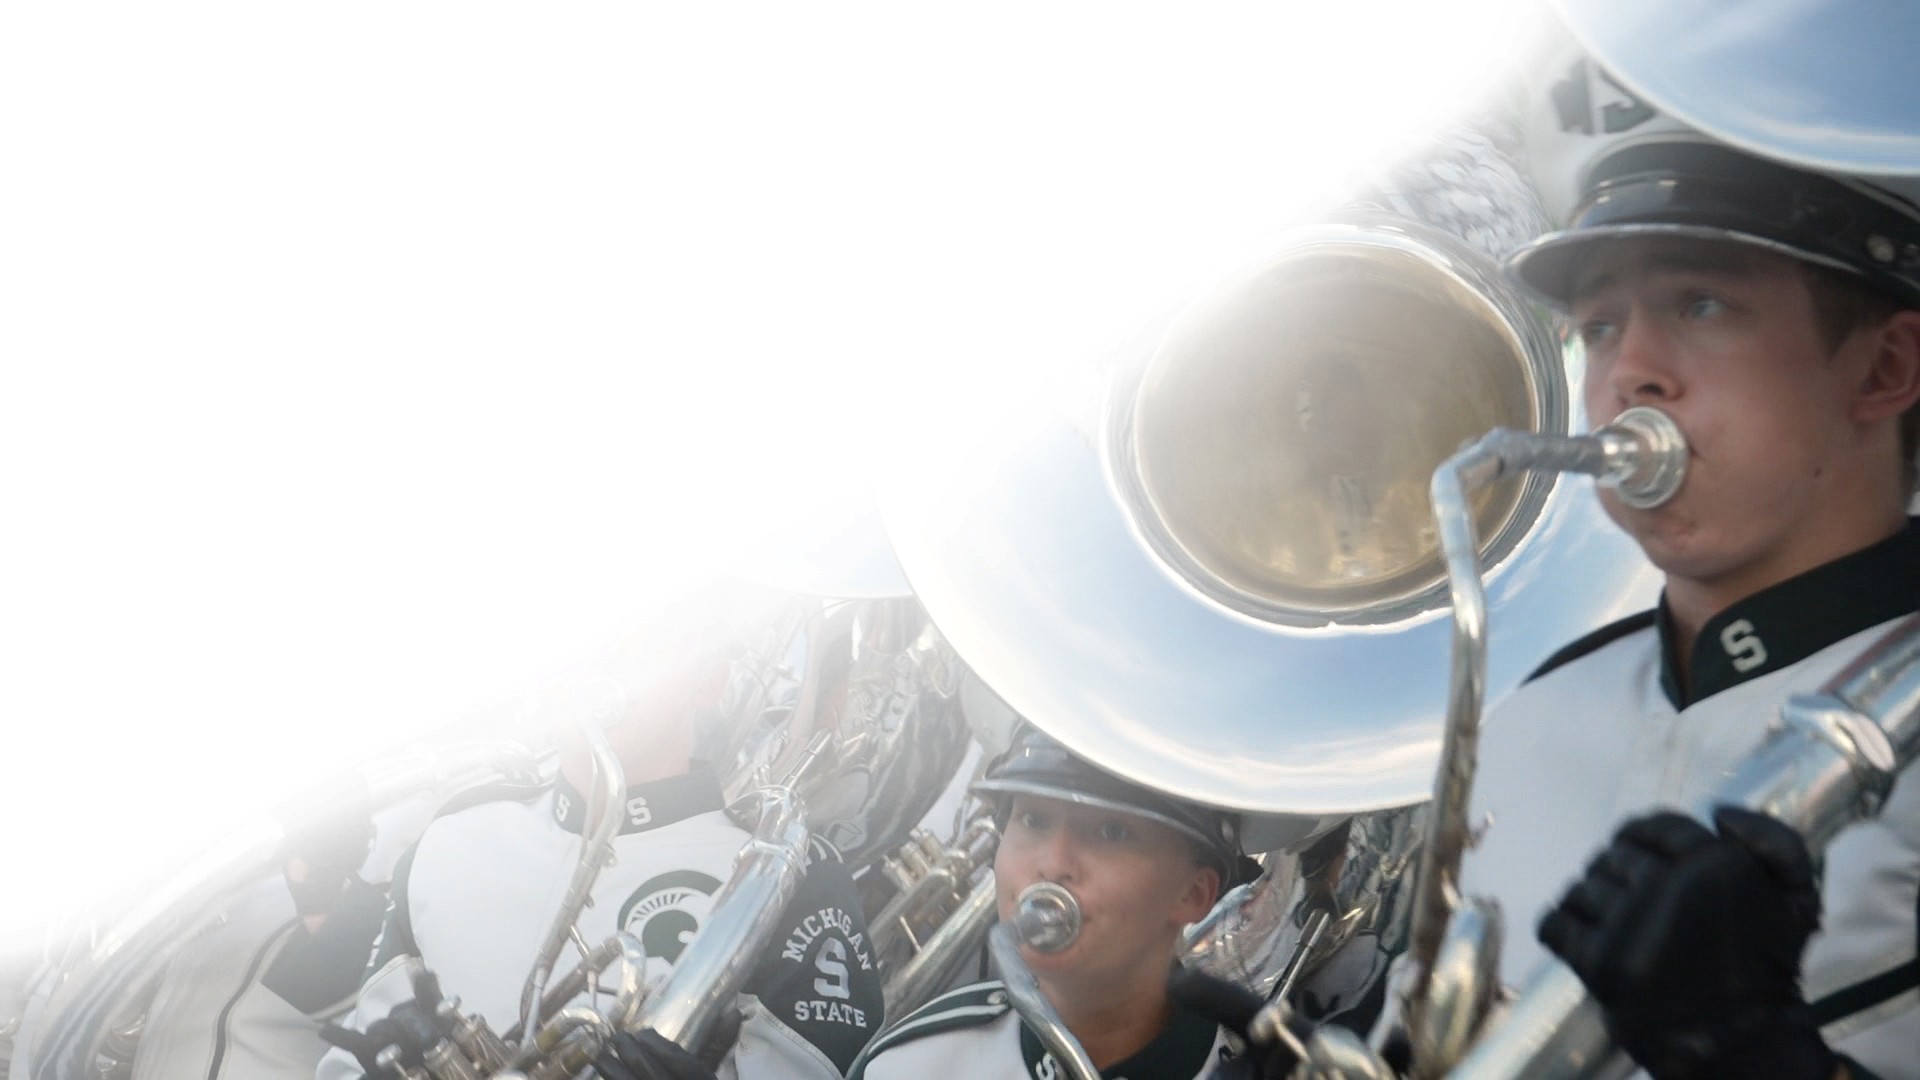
(667, 911)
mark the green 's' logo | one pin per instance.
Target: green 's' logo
(667, 911)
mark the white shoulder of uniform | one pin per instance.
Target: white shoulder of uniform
(968, 1007)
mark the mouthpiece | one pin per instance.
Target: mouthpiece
(1646, 457)
(1047, 917)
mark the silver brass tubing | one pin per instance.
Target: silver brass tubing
(945, 950)
(745, 917)
(622, 947)
(1296, 964)
(633, 986)
(930, 878)
(1642, 455)
(1023, 990)
(1336, 1052)
(556, 1030)
(565, 1044)
(1826, 763)
(446, 1062)
(1463, 985)
(1047, 917)
(472, 1035)
(596, 850)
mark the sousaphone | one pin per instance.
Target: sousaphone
(1814, 83)
(1214, 572)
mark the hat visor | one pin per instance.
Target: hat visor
(1549, 267)
(1082, 798)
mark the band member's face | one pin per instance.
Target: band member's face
(1723, 337)
(1135, 879)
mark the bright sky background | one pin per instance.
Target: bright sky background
(364, 361)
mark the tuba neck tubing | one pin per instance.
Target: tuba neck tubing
(1642, 457)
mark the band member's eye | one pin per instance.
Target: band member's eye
(1030, 819)
(1595, 331)
(1704, 307)
(1115, 832)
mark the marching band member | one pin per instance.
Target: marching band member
(1775, 314)
(474, 897)
(1142, 866)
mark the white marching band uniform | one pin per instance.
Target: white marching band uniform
(475, 898)
(1601, 735)
(974, 1034)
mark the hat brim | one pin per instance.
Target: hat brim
(1215, 844)
(1547, 267)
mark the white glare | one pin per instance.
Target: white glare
(365, 361)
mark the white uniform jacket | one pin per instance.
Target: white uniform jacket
(1603, 732)
(246, 998)
(973, 1034)
(476, 896)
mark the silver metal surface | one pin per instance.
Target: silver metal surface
(939, 914)
(1552, 1031)
(944, 952)
(1028, 558)
(1810, 82)
(881, 684)
(1047, 917)
(1262, 935)
(597, 704)
(1646, 457)
(745, 917)
(1039, 1015)
(1334, 1053)
(1462, 988)
(630, 992)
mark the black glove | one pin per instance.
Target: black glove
(645, 1055)
(1691, 942)
(1268, 1056)
(411, 1028)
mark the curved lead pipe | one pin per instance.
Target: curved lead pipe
(596, 844)
(1642, 456)
(1035, 1010)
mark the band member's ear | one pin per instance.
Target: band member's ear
(1891, 384)
(1203, 889)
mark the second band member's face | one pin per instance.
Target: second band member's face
(1724, 338)
(1136, 881)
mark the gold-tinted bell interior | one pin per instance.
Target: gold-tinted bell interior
(1283, 436)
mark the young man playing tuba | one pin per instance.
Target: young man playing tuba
(1775, 315)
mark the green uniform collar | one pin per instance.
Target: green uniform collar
(1783, 625)
(1178, 1053)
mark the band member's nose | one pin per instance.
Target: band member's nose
(1058, 857)
(1640, 365)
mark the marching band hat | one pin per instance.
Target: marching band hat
(1610, 167)
(1037, 765)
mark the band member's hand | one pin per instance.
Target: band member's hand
(645, 1055)
(410, 1029)
(1691, 942)
(1269, 1055)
